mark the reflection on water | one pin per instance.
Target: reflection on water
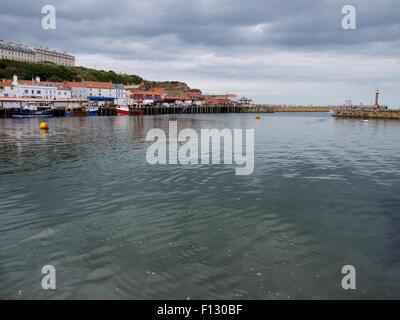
(324, 193)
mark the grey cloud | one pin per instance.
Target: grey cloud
(224, 39)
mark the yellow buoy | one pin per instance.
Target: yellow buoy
(258, 117)
(44, 126)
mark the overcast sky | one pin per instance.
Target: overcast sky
(274, 51)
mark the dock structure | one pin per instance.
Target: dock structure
(270, 108)
(191, 109)
(64, 106)
(367, 113)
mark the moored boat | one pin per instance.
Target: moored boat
(33, 110)
(93, 110)
(123, 111)
(76, 111)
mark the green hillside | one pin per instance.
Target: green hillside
(48, 71)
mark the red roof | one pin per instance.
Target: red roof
(62, 86)
(39, 100)
(6, 83)
(91, 85)
(29, 83)
(153, 91)
(98, 85)
(214, 100)
(75, 85)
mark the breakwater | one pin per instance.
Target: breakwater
(367, 114)
(262, 108)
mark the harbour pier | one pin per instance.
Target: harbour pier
(375, 111)
(191, 109)
(367, 113)
(270, 108)
(79, 107)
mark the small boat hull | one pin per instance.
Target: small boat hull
(93, 112)
(123, 111)
(76, 112)
(29, 113)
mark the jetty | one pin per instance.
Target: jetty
(271, 108)
(232, 108)
(375, 111)
(367, 113)
(62, 107)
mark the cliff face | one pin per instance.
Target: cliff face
(172, 88)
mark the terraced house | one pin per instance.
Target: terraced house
(21, 52)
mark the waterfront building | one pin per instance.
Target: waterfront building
(34, 89)
(140, 96)
(78, 90)
(85, 89)
(120, 92)
(100, 89)
(244, 100)
(219, 98)
(216, 100)
(7, 90)
(44, 90)
(21, 52)
(63, 91)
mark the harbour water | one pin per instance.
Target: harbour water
(81, 197)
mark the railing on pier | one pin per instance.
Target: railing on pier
(191, 109)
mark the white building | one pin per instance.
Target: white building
(85, 89)
(21, 52)
(34, 89)
(78, 90)
(7, 90)
(120, 92)
(62, 58)
(17, 52)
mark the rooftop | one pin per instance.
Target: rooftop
(15, 47)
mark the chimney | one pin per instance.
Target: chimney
(377, 98)
(37, 79)
(15, 80)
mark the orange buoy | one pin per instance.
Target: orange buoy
(258, 117)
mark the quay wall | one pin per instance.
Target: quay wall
(367, 114)
(260, 108)
(62, 106)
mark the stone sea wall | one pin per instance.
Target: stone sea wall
(367, 114)
(281, 108)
